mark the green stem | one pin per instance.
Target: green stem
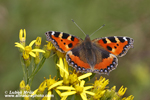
(39, 67)
(33, 71)
(34, 68)
(58, 74)
(23, 68)
(27, 72)
(31, 80)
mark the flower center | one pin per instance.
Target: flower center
(73, 79)
(50, 82)
(79, 89)
(28, 49)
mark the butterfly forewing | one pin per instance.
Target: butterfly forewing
(62, 41)
(115, 45)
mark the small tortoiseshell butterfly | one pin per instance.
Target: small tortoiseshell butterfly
(97, 56)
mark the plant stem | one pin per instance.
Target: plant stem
(23, 68)
(40, 65)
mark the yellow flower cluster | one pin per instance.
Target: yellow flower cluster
(69, 83)
(74, 84)
(28, 49)
(24, 90)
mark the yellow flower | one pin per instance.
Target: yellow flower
(26, 93)
(37, 58)
(22, 87)
(27, 61)
(99, 87)
(27, 87)
(48, 47)
(38, 42)
(26, 97)
(101, 83)
(78, 89)
(50, 84)
(98, 94)
(25, 55)
(37, 46)
(28, 49)
(22, 36)
(113, 88)
(22, 84)
(121, 91)
(41, 88)
(73, 79)
(131, 97)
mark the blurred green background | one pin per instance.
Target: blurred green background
(122, 18)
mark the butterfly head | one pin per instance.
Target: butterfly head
(87, 38)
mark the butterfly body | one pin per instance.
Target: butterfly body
(98, 55)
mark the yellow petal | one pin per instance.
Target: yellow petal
(82, 83)
(20, 34)
(34, 92)
(61, 68)
(32, 42)
(66, 68)
(49, 95)
(58, 92)
(55, 84)
(38, 41)
(32, 54)
(83, 96)
(65, 88)
(64, 98)
(68, 93)
(88, 87)
(84, 76)
(38, 50)
(90, 93)
(66, 64)
(131, 97)
(24, 33)
(122, 91)
(19, 45)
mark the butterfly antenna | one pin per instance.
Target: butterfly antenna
(78, 26)
(97, 29)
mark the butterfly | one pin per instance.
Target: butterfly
(97, 56)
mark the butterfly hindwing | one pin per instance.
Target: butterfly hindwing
(62, 41)
(115, 44)
(107, 63)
